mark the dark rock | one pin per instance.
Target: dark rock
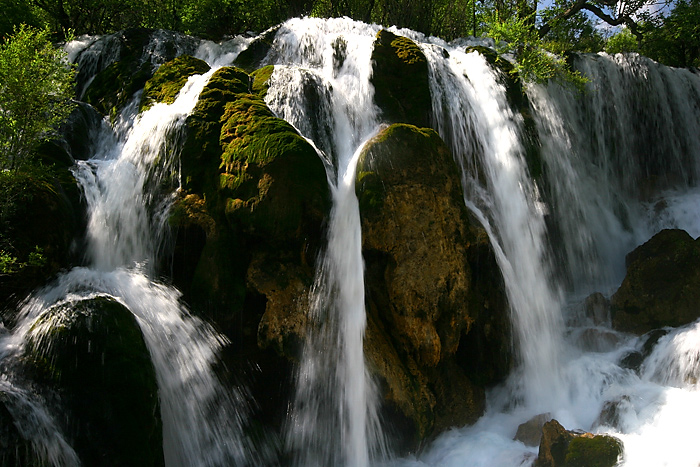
(597, 309)
(662, 285)
(252, 57)
(400, 80)
(92, 353)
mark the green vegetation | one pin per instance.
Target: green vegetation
(35, 91)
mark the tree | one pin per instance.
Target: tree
(36, 87)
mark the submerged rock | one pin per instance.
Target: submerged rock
(562, 448)
(430, 332)
(92, 354)
(662, 285)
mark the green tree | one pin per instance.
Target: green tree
(675, 39)
(36, 87)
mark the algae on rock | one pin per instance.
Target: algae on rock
(419, 245)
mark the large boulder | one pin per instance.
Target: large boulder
(249, 226)
(662, 285)
(92, 353)
(562, 448)
(400, 80)
(433, 338)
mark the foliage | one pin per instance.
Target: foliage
(622, 42)
(675, 39)
(36, 86)
(533, 63)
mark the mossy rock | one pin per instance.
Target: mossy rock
(662, 284)
(169, 79)
(201, 152)
(92, 353)
(271, 177)
(261, 80)
(419, 243)
(400, 80)
(593, 451)
(114, 86)
(563, 448)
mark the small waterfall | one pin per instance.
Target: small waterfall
(473, 116)
(334, 419)
(123, 185)
(611, 154)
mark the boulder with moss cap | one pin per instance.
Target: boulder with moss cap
(427, 321)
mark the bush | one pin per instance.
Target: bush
(36, 87)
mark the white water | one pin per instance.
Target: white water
(334, 419)
(202, 420)
(619, 166)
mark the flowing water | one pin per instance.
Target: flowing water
(619, 163)
(127, 211)
(334, 419)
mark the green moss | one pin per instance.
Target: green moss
(261, 80)
(400, 79)
(595, 451)
(169, 79)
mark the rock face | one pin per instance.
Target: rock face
(400, 79)
(563, 448)
(92, 354)
(430, 330)
(662, 285)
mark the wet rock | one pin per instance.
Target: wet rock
(425, 315)
(530, 432)
(169, 79)
(92, 353)
(633, 360)
(597, 309)
(562, 448)
(612, 411)
(400, 79)
(597, 339)
(255, 199)
(662, 285)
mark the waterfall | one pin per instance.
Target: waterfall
(473, 116)
(334, 419)
(122, 183)
(618, 163)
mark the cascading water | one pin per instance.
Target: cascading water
(620, 162)
(334, 419)
(202, 420)
(472, 114)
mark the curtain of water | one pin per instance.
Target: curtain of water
(473, 116)
(324, 78)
